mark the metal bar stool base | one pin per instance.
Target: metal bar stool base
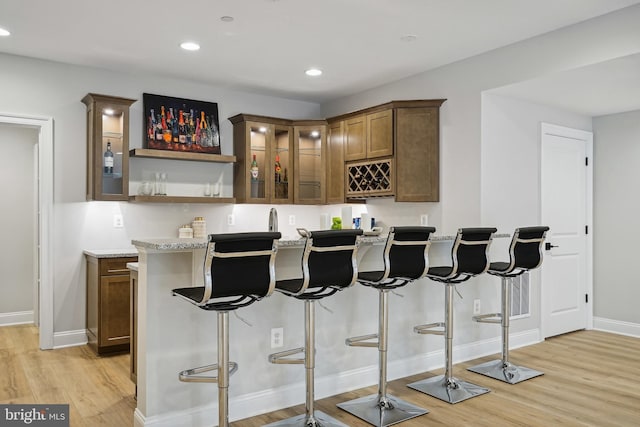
(319, 419)
(511, 374)
(452, 390)
(375, 413)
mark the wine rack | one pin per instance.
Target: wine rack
(373, 178)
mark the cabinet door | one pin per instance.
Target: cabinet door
(380, 134)
(355, 146)
(282, 161)
(107, 147)
(255, 164)
(417, 156)
(114, 310)
(335, 163)
(309, 164)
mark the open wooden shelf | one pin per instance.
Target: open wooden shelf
(181, 199)
(181, 155)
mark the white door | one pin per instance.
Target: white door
(566, 209)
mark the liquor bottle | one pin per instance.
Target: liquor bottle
(182, 131)
(166, 122)
(175, 135)
(205, 134)
(158, 130)
(151, 130)
(108, 159)
(278, 169)
(198, 132)
(192, 127)
(215, 134)
(286, 178)
(254, 169)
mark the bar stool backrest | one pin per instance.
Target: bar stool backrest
(406, 253)
(239, 264)
(470, 251)
(525, 251)
(329, 259)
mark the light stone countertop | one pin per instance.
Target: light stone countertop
(176, 244)
(111, 253)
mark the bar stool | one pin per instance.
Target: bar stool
(238, 271)
(328, 266)
(469, 256)
(405, 260)
(525, 253)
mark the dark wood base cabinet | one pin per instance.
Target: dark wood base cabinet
(108, 304)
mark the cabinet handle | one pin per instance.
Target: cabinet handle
(118, 270)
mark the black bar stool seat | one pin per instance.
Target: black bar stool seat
(328, 266)
(405, 260)
(238, 271)
(469, 258)
(525, 253)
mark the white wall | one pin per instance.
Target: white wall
(43, 88)
(17, 227)
(616, 208)
(510, 171)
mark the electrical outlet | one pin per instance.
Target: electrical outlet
(292, 220)
(424, 219)
(231, 220)
(277, 337)
(476, 306)
(118, 222)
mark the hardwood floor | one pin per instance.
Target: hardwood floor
(591, 379)
(97, 389)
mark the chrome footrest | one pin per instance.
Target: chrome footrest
(282, 357)
(362, 341)
(488, 318)
(193, 375)
(429, 328)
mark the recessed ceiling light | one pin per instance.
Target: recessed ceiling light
(4, 32)
(263, 129)
(314, 72)
(315, 133)
(408, 38)
(226, 18)
(190, 46)
(108, 111)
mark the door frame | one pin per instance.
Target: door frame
(45, 177)
(587, 136)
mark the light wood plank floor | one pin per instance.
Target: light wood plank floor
(591, 379)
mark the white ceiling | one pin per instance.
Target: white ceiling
(271, 42)
(605, 88)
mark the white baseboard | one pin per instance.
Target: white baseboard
(252, 404)
(616, 327)
(69, 338)
(16, 318)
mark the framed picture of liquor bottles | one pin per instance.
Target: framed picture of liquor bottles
(178, 124)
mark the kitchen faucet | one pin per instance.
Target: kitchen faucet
(273, 220)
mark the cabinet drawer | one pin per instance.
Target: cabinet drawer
(111, 266)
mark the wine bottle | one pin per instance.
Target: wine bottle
(254, 169)
(192, 127)
(182, 132)
(151, 130)
(175, 135)
(108, 159)
(166, 123)
(278, 170)
(158, 129)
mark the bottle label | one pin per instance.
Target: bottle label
(254, 173)
(108, 162)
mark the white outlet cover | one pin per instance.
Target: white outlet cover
(118, 222)
(292, 220)
(231, 220)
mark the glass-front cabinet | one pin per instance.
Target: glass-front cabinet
(310, 142)
(264, 150)
(107, 147)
